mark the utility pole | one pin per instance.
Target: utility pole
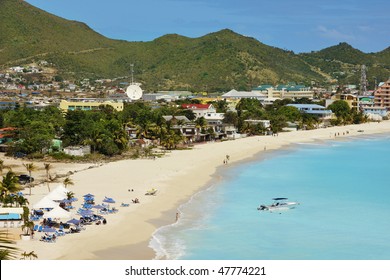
(363, 81)
(132, 73)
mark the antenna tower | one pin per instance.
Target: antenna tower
(132, 73)
(363, 81)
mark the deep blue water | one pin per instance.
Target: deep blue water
(344, 212)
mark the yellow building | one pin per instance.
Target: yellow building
(86, 105)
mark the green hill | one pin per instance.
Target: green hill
(343, 62)
(28, 31)
(215, 62)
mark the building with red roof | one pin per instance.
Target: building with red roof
(200, 110)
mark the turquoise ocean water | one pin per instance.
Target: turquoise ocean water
(344, 214)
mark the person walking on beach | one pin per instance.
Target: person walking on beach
(177, 216)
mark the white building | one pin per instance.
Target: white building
(234, 94)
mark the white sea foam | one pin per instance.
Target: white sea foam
(164, 241)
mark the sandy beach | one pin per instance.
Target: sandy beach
(178, 175)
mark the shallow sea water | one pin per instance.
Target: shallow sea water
(344, 212)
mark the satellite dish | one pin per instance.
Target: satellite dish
(134, 92)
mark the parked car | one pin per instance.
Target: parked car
(24, 179)
(20, 155)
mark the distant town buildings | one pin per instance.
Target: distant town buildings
(267, 94)
(234, 94)
(289, 91)
(17, 89)
(313, 109)
(88, 104)
(382, 95)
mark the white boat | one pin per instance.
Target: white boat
(279, 204)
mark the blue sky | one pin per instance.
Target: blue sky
(300, 25)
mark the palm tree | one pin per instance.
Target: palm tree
(7, 250)
(24, 255)
(30, 167)
(32, 255)
(21, 200)
(121, 139)
(48, 166)
(95, 140)
(143, 129)
(200, 125)
(69, 195)
(67, 182)
(1, 166)
(28, 226)
(10, 184)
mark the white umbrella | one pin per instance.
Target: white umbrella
(45, 203)
(57, 213)
(59, 193)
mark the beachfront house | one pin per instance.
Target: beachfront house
(214, 120)
(78, 150)
(200, 110)
(182, 124)
(231, 132)
(375, 113)
(314, 109)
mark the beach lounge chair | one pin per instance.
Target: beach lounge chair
(125, 204)
(112, 211)
(74, 230)
(151, 192)
(60, 233)
(48, 238)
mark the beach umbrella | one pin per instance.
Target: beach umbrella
(85, 213)
(45, 202)
(59, 193)
(87, 206)
(89, 197)
(57, 213)
(98, 207)
(48, 229)
(73, 221)
(108, 200)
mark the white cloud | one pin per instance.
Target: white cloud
(334, 34)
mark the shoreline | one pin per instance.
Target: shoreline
(178, 177)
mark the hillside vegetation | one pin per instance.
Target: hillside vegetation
(215, 62)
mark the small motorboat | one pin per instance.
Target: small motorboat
(279, 204)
